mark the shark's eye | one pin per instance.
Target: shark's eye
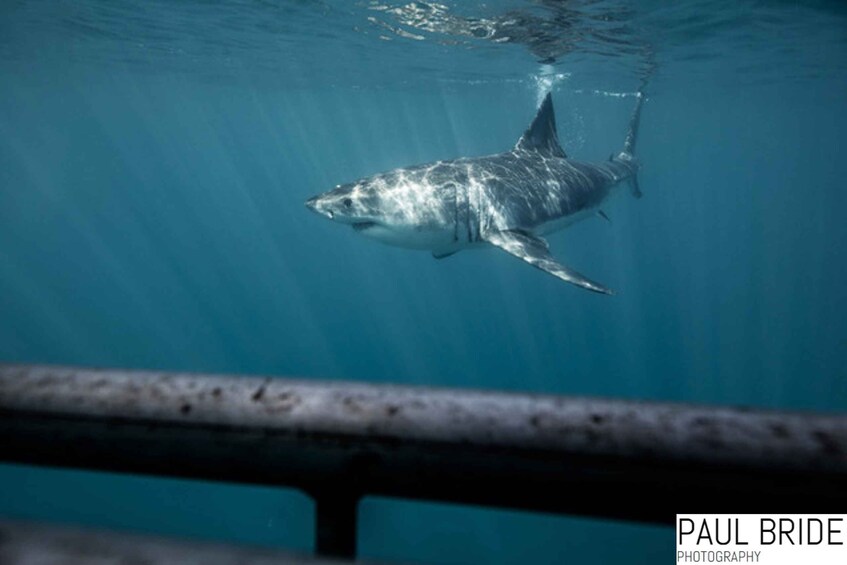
(348, 202)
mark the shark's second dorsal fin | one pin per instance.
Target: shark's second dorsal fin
(541, 134)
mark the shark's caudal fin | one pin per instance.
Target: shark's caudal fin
(632, 134)
(541, 134)
(631, 137)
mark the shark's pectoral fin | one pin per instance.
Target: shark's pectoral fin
(534, 251)
(603, 215)
(443, 254)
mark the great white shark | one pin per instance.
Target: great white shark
(508, 200)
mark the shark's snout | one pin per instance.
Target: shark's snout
(314, 204)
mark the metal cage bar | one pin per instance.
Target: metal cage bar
(24, 543)
(339, 441)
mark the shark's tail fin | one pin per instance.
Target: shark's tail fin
(632, 134)
(628, 152)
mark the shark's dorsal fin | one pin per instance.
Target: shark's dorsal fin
(541, 134)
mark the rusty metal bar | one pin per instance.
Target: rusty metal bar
(23, 543)
(606, 458)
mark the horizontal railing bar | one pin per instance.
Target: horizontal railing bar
(608, 458)
(24, 543)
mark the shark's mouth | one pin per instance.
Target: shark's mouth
(362, 226)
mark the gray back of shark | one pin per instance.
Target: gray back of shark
(508, 200)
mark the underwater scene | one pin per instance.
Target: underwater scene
(295, 188)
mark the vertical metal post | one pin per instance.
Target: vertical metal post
(335, 523)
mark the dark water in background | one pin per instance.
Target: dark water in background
(154, 159)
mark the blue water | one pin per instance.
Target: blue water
(154, 160)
